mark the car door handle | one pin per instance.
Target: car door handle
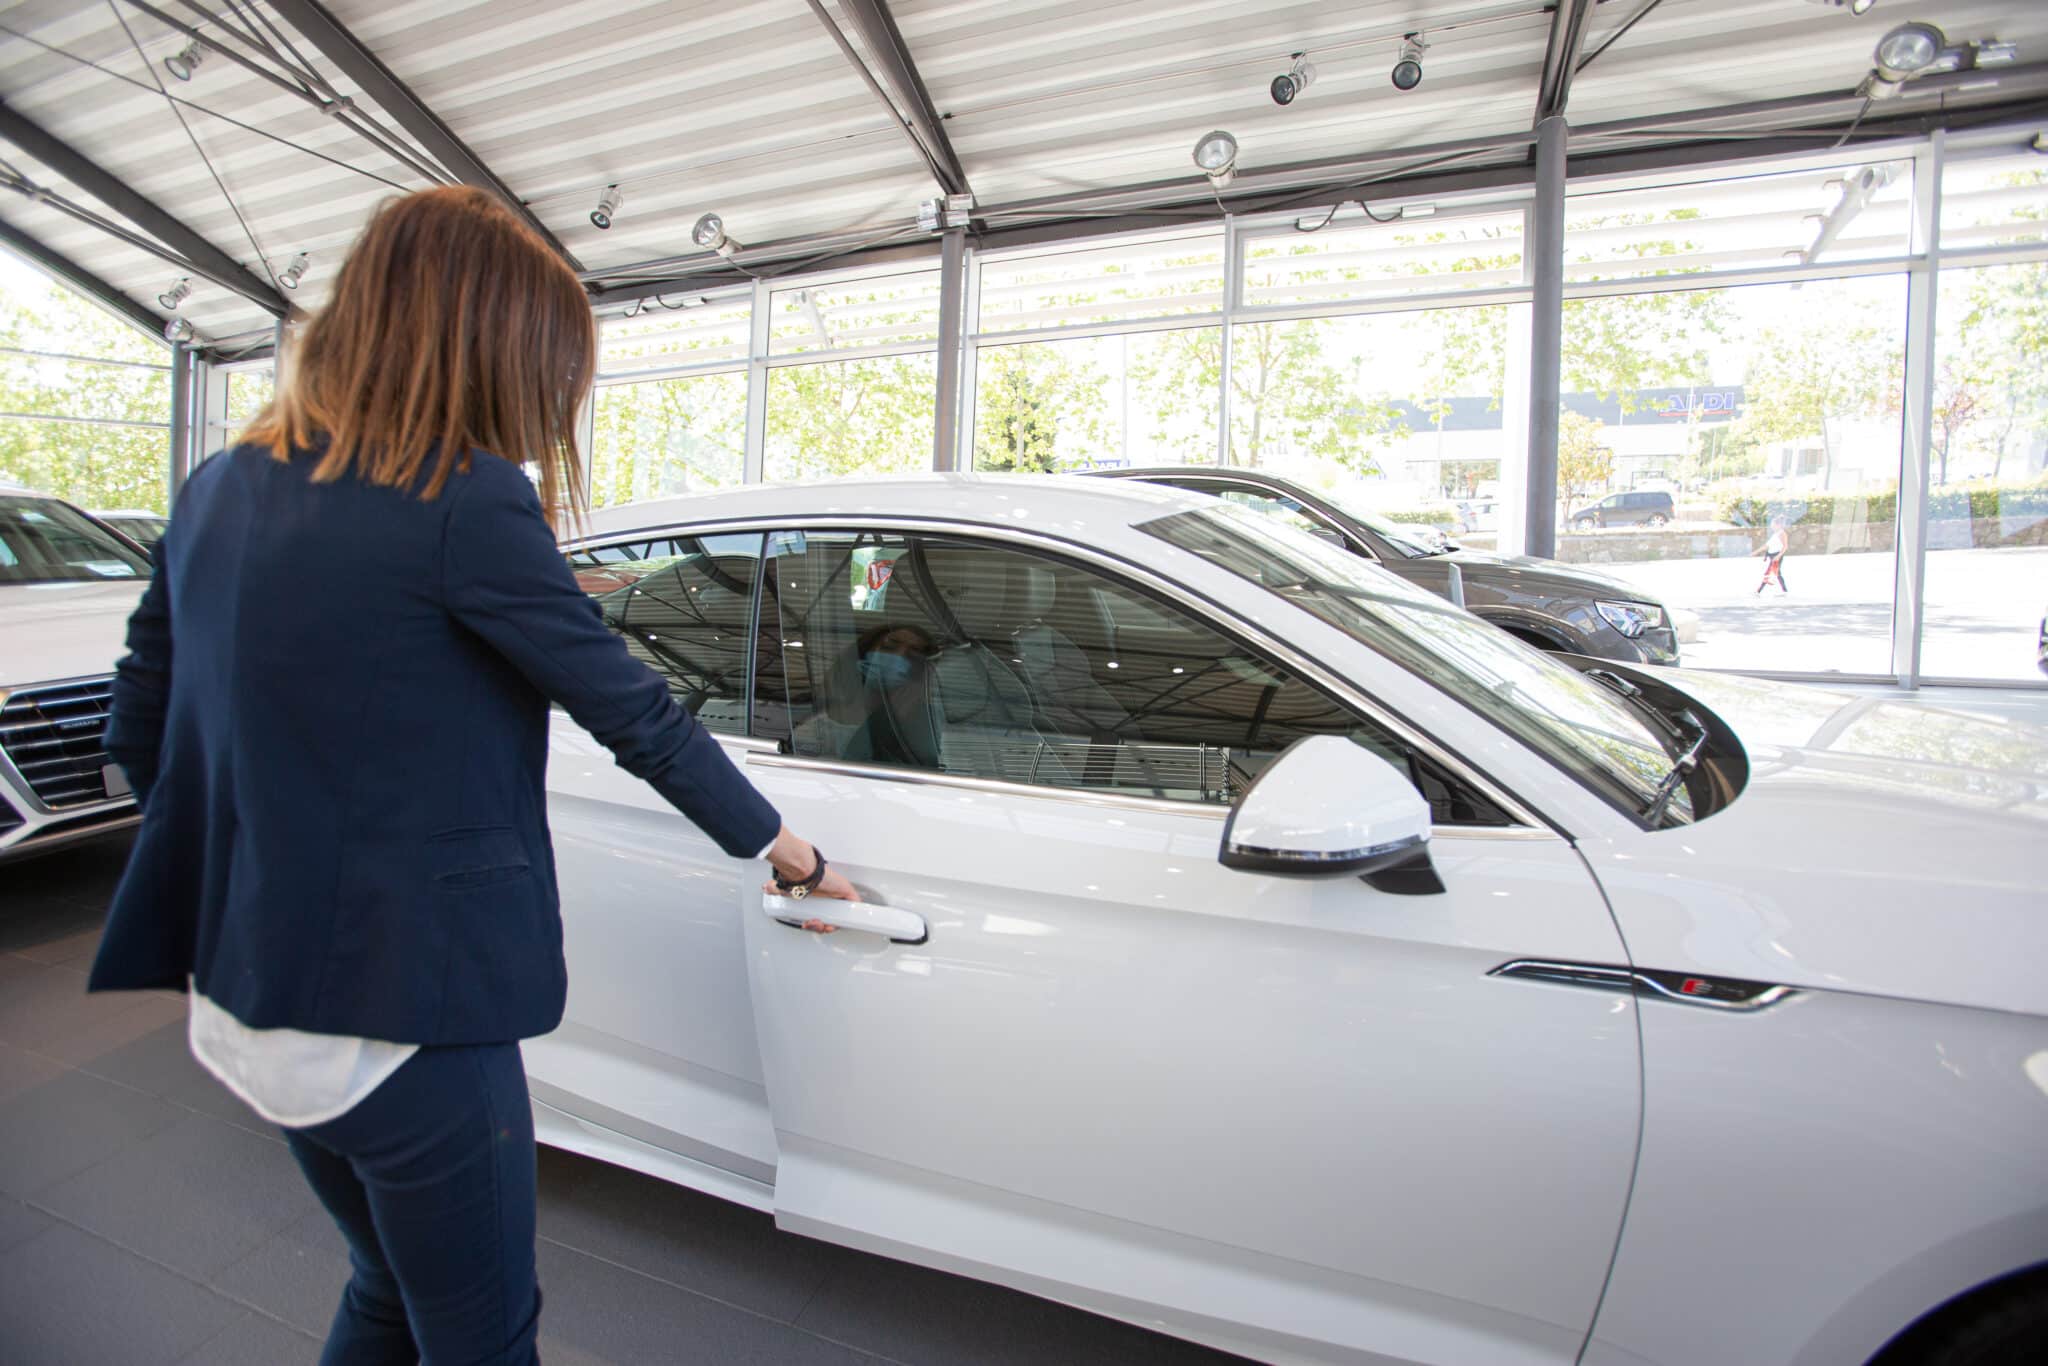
(900, 927)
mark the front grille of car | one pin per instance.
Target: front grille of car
(56, 737)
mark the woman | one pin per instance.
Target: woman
(1775, 546)
(334, 713)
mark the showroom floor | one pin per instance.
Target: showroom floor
(147, 1217)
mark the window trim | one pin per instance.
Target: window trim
(1529, 820)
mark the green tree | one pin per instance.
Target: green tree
(93, 465)
(868, 416)
(1040, 407)
(1827, 365)
(667, 437)
(1585, 463)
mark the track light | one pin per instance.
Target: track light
(185, 60)
(1907, 51)
(1856, 7)
(179, 291)
(1408, 65)
(1297, 78)
(607, 208)
(1216, 154)
(2040, 143)
(180, 330)
(710, 235)
(295, 272)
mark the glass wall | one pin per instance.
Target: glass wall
(84, 398)
(1736, 372)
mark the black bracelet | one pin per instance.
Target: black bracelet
(797, 891)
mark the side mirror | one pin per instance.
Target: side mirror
(1329, 808)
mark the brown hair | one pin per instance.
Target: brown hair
(453, 327)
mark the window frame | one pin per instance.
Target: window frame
(1527, 820)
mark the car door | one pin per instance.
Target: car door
(1292, 1117)
(655, 1063)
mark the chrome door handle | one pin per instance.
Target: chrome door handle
(900, 927)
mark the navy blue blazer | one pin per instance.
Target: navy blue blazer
(334, 711)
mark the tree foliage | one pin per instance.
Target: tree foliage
(91, 465)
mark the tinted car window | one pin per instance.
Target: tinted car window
(996, 662)
(45, 541)
(685, 607)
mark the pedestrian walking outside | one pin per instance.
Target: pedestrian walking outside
(1775, 547)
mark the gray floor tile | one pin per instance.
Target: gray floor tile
(254, 1340)
(928, 1318)
(297, 1275)
(73, 1122)
(158, 1061)
(19, 1223)
(21, 1071)
(202, 1093)
(198, 1196)
(132, 1015)
(67, 1297)
(710, 1245)
(599, 1312)
(38, 916)
(76, 949)
(45, 1007)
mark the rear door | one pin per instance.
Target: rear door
(1272, 1114)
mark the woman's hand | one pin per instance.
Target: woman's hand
(794, 860)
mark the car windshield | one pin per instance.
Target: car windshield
(45, 541)
(1567, 717)
(1412, 541)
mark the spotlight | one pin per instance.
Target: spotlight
(1216, 154)
(607, 207)
(179, 291)
(1856, 7)
(1408, 66)
(2040, 143)
(1907, 51)
(180, 330)
(185, 60)
(1299, 77)
(710, 235)
(295, 272)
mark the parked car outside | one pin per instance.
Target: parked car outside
(1553, 606)
(67, 586)
(1620, 1015)
(1639, 507)
(143, 528)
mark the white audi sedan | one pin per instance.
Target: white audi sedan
(1266, 952)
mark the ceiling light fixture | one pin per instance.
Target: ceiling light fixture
(180, 330)
(1855, 7)
(185, 60)
(1917, 49)
(1294, 80)
(607, 209)
(180, 290)
(296, 271)
(1216, 154)
(709, 233)
(1408, 66)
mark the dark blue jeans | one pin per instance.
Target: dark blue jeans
(431, 1178)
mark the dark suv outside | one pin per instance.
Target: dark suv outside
(1644, 507)
(1550, 605)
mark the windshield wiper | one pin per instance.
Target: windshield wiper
(1665, 789)
(1629, 692)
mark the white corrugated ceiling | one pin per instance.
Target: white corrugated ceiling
(750, 108)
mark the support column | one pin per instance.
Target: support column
(1544, 249)
(753, 461)
(1909, 538)
(952, 290)
(178, 458)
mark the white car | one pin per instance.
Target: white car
(1622, 1016)
(66, 591)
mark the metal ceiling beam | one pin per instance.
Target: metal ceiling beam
(83, 281)
(395, 97)
(885, 42)
(88, 175)
(1561, 56)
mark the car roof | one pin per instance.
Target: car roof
(130, 512)
(1066, 505)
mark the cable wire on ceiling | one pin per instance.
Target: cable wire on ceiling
(262, 259)
(196, 108)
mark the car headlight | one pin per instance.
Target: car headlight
(1631, 618)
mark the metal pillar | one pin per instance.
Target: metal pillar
(1909, 540)
(952, 290)
(1544, 248)
(178, 458)
(754, 460)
